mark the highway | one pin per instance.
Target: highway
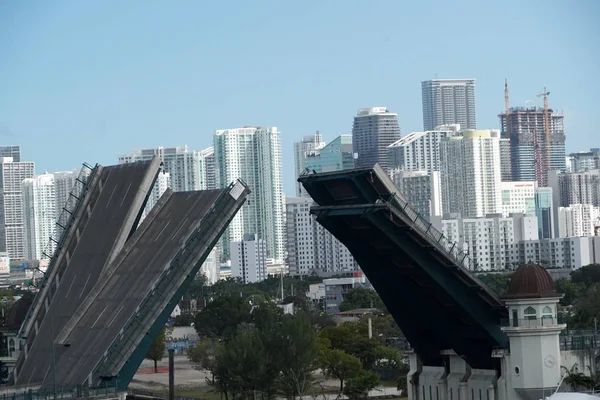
(129, 282)
(111, 221)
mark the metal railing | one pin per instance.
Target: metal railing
(530, 322)
(63, 222)
(417, 221)
(67, 392)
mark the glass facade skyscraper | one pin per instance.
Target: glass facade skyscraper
(335, 156)
(374, 129)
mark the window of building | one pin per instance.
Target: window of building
(529, 313)
(547, 313)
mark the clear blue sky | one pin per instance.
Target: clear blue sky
(88, 80)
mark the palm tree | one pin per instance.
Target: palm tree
(594, 379)
(574, 378)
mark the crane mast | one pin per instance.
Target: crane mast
(506, 109)
(545, 95)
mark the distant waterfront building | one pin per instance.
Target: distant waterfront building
(309, 146)
(374, 129)
(584, 160)
(470, 173)
(11, 151)
(422, 190)
(488, 240)
(570, 253)
(420, 151)
(206, 160)
(64, 181)
(181, 163)
(577, 220)
(310, 247)
(525, 125)
(518, 197)
(448, 101)
(544, 211)
(575, 188)
(12, 231)
(253, 154)
(210, 267)
(249, 259)
(39, 215)
(505, 160)
(335, 156)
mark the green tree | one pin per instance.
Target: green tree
(340, 365)
(197, 287)
(575, 379)
(185, 319)
(352, 337)
(358, 387)
(157, 350)
(570, 289)
(220, 318)
(388, 358)
(497, 282)
(586, 308)
(361, 298)
(587, 274)
(299, 357)
(202, 355)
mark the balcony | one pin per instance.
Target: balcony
(531, 322)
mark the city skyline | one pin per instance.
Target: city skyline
(146, 90)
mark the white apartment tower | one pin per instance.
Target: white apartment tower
(39, 215)
(181, 163)
(448, 101)
(64, 181)
(249, 259)
(12, 230)
(577, 220)
(422, 190)
(253, 154)
(470, 173)
(310, 247)
(309, 146)
(420, 151)
(161, 184)
(207, 169)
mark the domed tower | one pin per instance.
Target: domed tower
(533, 367)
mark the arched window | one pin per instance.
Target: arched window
(529, 313)
(547, 313)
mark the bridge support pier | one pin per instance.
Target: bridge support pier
(451, 381)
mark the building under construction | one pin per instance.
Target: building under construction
(529, 149)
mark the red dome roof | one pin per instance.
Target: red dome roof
(530, 281)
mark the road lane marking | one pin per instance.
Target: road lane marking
(111, 195)
(99, 316)
(163, 229)
(86, 282)
(70, 286)
(128, 187)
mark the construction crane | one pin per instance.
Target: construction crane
(545, 95)
(506, 109)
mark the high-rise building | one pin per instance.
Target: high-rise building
(208, 178)
(575, 188)
(420, 151)
(249, 259)
(470, 173)
(577, 220)
(310, 247)
(39, 215)
(309, 146)
(335, 156)
(374, 129)
(210, 267)
(505, 160)
(253, 154)
(11, 222)
(544, 211)
(528, 138)
(11, 151)
(584, 160)
(422, 190)
(181, 163)
(448, 101)
(64, 181)
(518, 197)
